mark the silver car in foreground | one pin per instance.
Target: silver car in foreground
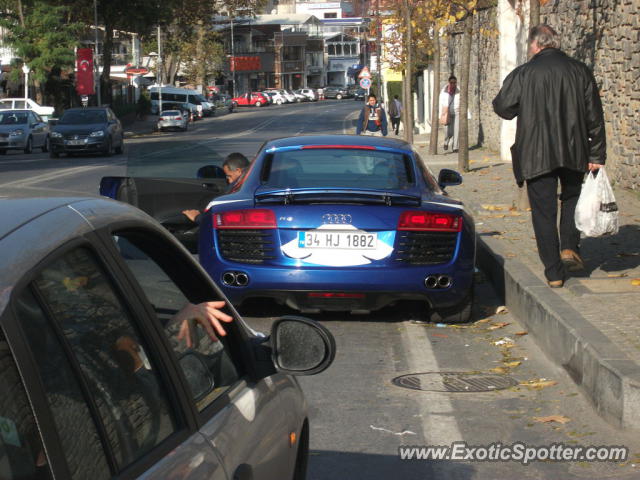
(22, 130)
(108, 371)
(173, 119)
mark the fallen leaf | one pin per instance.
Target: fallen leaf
(616, 275)
(497, 216)
(496, 326)
(499, 370)
(501, 310)
(484, 320)
(538, 384)
(521, 333)
(496, 178)
(511, 255)
(552, 418)
(635, 282)
(439, 335)
(492, 208)
(512, 364)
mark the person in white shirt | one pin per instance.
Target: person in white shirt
(449, 109)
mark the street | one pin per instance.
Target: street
(359, 417)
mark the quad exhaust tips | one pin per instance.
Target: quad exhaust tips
(437, 281)
(235, 279)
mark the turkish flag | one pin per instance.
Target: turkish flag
(84, 71)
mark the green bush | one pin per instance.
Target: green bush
(394, 88)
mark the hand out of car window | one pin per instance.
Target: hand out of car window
(207, 314)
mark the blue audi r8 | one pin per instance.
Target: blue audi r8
(333, 223)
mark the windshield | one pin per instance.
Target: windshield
(13, 118)
(79, 117)
(338, 168)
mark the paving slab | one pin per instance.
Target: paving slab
(591, 327)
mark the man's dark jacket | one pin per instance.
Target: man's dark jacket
(560, 120)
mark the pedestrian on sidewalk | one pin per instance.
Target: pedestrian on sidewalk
(449, 108)
(395, 112)
(560, 136)
(373, 119)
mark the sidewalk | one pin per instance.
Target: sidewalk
(591, 327)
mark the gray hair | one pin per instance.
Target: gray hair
(235, 161)
(544, 36)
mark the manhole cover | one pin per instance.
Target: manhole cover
(454, 382)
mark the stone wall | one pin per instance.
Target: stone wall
(484, 76)
(605, 34)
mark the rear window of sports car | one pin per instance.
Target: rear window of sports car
(338, 168)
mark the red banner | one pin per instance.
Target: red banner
(84, 71)
(245, 63)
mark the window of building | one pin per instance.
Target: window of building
(330, 15)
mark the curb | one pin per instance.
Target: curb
(607, 376)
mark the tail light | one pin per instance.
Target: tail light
(249, 218)
(429, 221)
(161, 119)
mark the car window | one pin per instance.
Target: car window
(110, 354)
(167, 294)
(80, 117)
(76, 428)
(37, 117)
(13, 118)
(19, 104)
(22, 455)
(339, 168)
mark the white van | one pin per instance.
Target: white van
(26, 104)
(175, 95)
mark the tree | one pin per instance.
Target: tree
(41, 37)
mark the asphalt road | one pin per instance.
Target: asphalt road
(359, 418)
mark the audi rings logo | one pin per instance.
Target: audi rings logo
(336, 219)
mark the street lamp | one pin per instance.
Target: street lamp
(26, 70)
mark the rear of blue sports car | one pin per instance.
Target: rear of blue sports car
(354, 227)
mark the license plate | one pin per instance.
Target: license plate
(75, 142)
(338, 240)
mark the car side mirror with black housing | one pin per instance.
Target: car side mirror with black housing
(449, 178)
(210, 171)
(296, 346)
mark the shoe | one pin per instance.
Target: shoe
(571, 260)
(445, 146)
(555, 283)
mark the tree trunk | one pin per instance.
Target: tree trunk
(463, 121)
(435, 100)
(105, 77)
(408, 76)
(37, 85)
(201, 54)
(534, 13)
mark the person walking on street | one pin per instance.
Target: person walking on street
(395, 112)
(449, 108)
(373, 119)
(560, 136)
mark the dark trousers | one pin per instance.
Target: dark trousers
(395, 124)
(543, 198)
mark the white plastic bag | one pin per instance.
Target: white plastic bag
(597, 211)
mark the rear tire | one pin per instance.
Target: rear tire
(120, 148)
(258, 103)
(302, 456)
(460, 313)
(338, 97)
(109, 150)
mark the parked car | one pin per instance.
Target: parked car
(22, 130)
(336, 92)
(87, 130)
(223, 101)
(174, 119)
(359, 94)
(288, 96)
(275, 97)
(298, 96)
(256, 99)
(309, 93)
(104, 375)
(335, 222)
(26, 104)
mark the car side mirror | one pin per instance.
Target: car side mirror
(300, 346)
(210, 171)
(197, 374)
(449, 178)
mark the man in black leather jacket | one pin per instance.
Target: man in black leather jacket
(560, 135)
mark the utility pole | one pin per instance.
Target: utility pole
(232, 63)
(159, 74)
(95, 54)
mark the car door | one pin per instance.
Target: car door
(37, 129)
(107, 402)
(241, 417)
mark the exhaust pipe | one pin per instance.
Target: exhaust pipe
(242, 279)
(444, 281)
(229, 278)
(431, 281)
